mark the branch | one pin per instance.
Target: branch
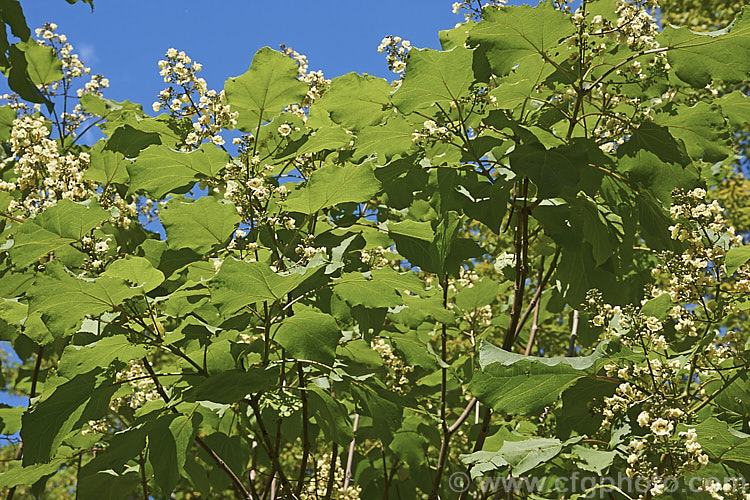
(305, 431)
(332, 473)
(32, 394)
(219, 461)
(573, 334)
(350, 456)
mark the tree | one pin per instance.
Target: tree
(350, 310)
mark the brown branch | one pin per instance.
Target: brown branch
(479, 444)
(520, 252)
(32, 394)
(269, 447)
(305, 431)
(216, 458)
(538, 293)
(350, 456)
(332, 473)
(573, 334)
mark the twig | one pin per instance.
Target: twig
(305, 431)
(350, 456)
(32, 394)
(573, 334)
(216, 458)
(535, 321)
(537, 295)
(269, 447)
(479, 443)
(332, 473)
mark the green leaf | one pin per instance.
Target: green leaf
(720, 441)
(160, 170)
(77, 359)
(230, 386)
(54, 229)
(137, 271)
(10, 419)
(107, 167)
(736, 258)
(701, 127)
(654, 159)
(330, 415)
(108, 484)
(553, 171)
(325, 138)
(53, 417)
(12, 15)
(355, 101)
(435, 77)
(16, 475)
(265, 89)
(521, 456)
(64, 301)
(520, 35)
(309, 335)
(482, 293)
(386, 141)
(596, 461)
(238, 284)
(657, 307)
(332, 185)
(700, 58)
(379, 288)
(168, 444)
(199, 225)
(42, 65)
(736, 107)
(410, 443)
(512, 383)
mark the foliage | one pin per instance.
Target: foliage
(346, 299)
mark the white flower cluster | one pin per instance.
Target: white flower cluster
(375, 258)
(317, 487)
(474, 12)
(96, 249)
(736, 488)
(397, 371)
(432, 132)
(306, 250)
(396, 50)
(481, 316)
(189, 98)
(44, 174)
(695, 274)
(315, 80)
(141, 384)
(72, 66)
(96, 427)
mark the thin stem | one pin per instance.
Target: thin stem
(216, 458)
(573, 334)
(538, 293)
(520, 253)
(269, 446)
(350, 456)
(332, 473)
(32, 394)
(144, 480)
(305, 431)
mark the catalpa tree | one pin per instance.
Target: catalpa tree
(510, 262)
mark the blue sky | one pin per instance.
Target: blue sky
(124, 40)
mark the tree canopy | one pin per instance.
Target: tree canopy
(516, 260)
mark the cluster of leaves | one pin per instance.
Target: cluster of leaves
(347, 305)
